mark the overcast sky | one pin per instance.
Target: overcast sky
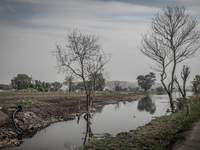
(29, 30)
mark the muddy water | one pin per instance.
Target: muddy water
(107, 120)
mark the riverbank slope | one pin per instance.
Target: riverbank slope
(159, 134)
(42, 109)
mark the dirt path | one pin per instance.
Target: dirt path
(192, 141)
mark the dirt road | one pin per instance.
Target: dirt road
(192, 141)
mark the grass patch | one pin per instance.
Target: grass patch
(134, 97)
(129, 96)
(159, 134)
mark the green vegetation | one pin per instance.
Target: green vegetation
(119, 87)
(97, 81)
(159, 134)
(22, 81)
(69, 81)
(5, 87)
(160, 89)
(56, 86)
(196, 84)
(145, 82)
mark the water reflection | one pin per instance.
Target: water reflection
(99, 109)
(68, 146)
(146, 104)
(88, 134)
(117, 106)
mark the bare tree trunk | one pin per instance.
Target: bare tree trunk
(95, 87)
(90, 99)
(172, 79)
(173, 38)
(184, 75)
(180, 90)
(171, 102)
(70, 85)
(87, 102)
(168, 90)
(78, 102)
(87, 94)
(88, 135)
(169, 95)
(183, 93)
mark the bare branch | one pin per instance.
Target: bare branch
(81, 57)
(173, 38)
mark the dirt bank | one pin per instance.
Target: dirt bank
(42, 109)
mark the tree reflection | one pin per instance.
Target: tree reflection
(68, 146)
(88, 135)
(99, 109)
(146, 104)
(117, 106)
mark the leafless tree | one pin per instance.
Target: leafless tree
(184, 75)
(81, 57)
(172, 39)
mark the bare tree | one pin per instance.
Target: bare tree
(81, 57)
(173, 38)
(184, 75)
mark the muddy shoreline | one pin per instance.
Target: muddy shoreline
(41, 110)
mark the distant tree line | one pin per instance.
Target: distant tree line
(5, 87)
(99, 84)
(23, 81)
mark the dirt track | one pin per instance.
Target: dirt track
(192, 141)
(40, 110)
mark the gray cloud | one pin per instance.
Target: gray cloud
(29, 30)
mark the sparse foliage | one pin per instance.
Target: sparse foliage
(79, 86)
(184, 75)
(160, 89)
(172, 39)
(81, 57)
(196, 85)
(56, 85)
(117, 86)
